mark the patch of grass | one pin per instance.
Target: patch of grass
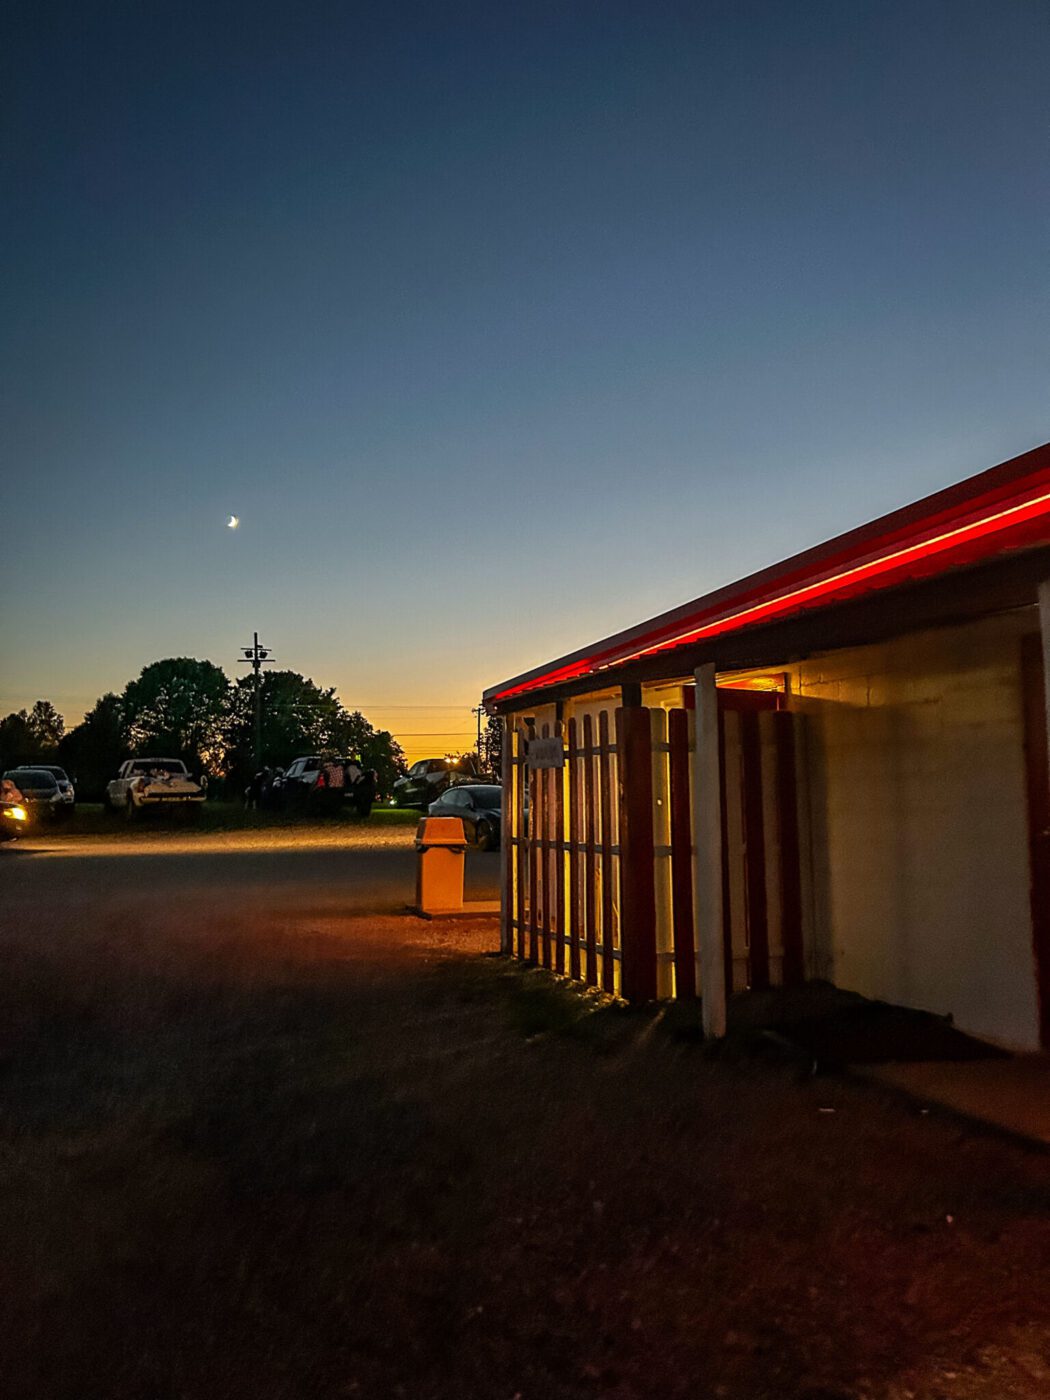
(395, 816)
(537, 1003)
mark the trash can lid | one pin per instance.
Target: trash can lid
(440, 831)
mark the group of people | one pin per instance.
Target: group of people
(265, 791)
(259, 795)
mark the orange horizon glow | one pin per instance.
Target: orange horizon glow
(423, 731)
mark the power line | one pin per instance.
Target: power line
(433, 733)
(389, 705)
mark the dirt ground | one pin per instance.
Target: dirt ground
(259, 1142)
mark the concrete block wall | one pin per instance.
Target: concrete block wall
(918, 887)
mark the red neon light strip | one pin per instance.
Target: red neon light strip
(885, 563)
(1018, 514)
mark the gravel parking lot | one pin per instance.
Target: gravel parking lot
(263, 1136)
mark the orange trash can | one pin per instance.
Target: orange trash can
(441, 848)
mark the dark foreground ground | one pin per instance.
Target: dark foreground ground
(257, 1142)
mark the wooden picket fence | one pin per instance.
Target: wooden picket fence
(598, 875)
(598, 863)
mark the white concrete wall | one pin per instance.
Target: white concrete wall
(918, 889)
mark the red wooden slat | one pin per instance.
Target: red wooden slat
(558, 783)
(590, 862)
(637, 876)
(521, 851)
(794, 970)
(754, 852)
(605, 789)
(575, 827)
(681, 857)
(543, 831)
(534, 859)
(507, 853)
(1037, 781)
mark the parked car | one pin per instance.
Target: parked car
(426, 780)
(153, 784)
(65, 787)
(324, 783)
(14, 815)
(36, 791)
(481, 807)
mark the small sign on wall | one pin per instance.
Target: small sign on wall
(545, 753)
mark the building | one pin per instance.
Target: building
(835, 768)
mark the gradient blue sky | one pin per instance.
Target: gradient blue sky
(501, 326)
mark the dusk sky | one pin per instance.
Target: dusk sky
(500, 326)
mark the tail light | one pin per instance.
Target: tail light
(322, 781)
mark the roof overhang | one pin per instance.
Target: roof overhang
(989, 518)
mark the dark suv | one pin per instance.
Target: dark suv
(319, 783)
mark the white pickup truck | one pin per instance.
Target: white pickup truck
(145, 784)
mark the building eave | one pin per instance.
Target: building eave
(996, 514)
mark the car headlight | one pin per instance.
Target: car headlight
(17, 814)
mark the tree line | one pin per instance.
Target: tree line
(188, 709)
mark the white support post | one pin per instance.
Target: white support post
(1044, 624)
(707, 831)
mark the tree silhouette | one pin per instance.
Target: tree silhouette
(183, 708)
(93, 750)
(29, 736)
(492, 748)
(17, 740)
(46, 724)
(300, 718)
(177, 709)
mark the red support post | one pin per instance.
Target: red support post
(682, 922)
(755, 852)
(507, 849)
(575, 825)
(637, 877)
(534, 858)
(543, 780)
(605, 791)
(558, 781)
(727, 891)
(794, 969)
(521, 851)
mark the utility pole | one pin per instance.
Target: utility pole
(257, 657)
(479, 710)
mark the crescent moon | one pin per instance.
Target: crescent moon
(233, 522)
